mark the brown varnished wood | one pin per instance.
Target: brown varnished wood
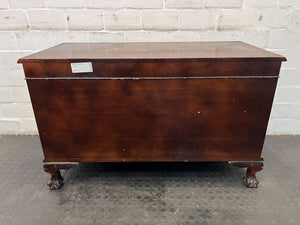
(234, 51)
(158, 69)
(207, 101)
(152, 120)
(154, 60)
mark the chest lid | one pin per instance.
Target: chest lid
(156, 51)
(177, 59)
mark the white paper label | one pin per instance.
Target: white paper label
(82, 67)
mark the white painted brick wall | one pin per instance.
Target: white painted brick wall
(294, 19)
(71, 36)
(85, 19)
(66, 3)
(25, 4)
(233, 19)
(16, 110)
(10, 126)
(20, 94)
(105, 36)
(144, 4)
(5, 95)
(260, 3)
(41, 40)
(270, 18)
(184, 4)
(123, 20)
(30, 25)
(8, 41)
(12, 78)
(286, 3)
(106, 4)
(160, 19)
(27, 125)
(47, 19)
(4, 4)
(13, 20)
(224, 3)
(197, 19)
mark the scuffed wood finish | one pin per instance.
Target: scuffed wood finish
(250, 179)
(152, 120)
(144, 102)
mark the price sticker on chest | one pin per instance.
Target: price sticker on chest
(82, 67)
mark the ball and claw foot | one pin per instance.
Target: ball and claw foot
(56, 180)
(251, 182)
(250, 179)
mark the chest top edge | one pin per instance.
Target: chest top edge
(227, 51)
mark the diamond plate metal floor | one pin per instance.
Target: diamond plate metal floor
(149, 193)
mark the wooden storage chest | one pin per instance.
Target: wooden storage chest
(137, 102)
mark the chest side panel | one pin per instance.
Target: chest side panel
(200, 119)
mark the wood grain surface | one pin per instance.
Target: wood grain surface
(152, 120)
(159, 69)
(235, 51)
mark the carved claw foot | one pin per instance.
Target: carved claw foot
(251, 182)
(250, 179)
(56, 180)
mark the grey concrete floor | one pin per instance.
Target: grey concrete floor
(149, 193)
